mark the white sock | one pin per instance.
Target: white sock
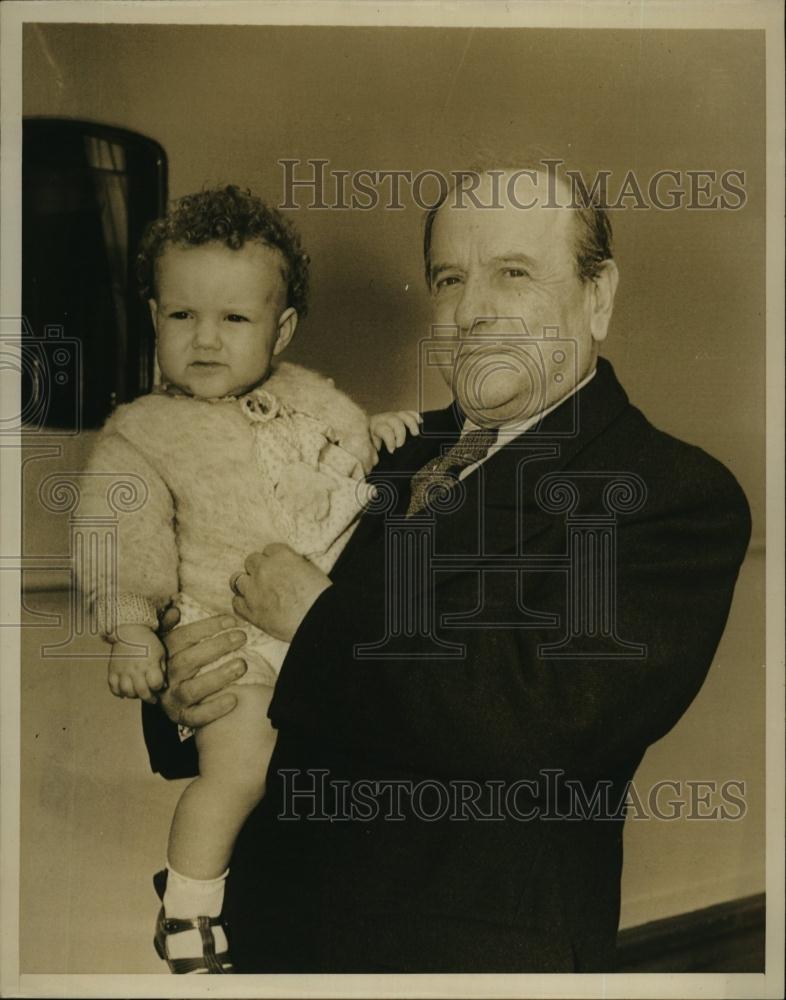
(186, 898)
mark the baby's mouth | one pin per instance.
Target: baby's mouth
(207, 364)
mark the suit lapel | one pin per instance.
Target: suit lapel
(498, 510)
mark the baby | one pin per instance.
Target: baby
(230, 454)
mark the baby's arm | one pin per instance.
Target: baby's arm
(391, 428)
(128, 588)
(135, 583)
(137, 663)
(313, 394)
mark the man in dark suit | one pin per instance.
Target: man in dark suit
(535, 601)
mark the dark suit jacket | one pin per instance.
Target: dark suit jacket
(478, 886)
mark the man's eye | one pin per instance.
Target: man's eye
(237, 318)
(447, 281)
(516, 272)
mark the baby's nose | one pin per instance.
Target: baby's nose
(206, 333)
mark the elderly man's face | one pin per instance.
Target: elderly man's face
(526, 326)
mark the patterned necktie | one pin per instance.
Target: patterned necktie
(441, 474)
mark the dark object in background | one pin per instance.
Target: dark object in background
(88, 191)
(727, 937)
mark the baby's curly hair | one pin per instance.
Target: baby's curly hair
(232, 217)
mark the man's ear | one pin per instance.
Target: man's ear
(604, 288)
(153, 313)
(287, 324)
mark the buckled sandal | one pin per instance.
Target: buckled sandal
(209, 961)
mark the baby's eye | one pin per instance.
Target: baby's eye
(179, 314)
(237, 318)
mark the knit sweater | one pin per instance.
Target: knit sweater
(215, 481)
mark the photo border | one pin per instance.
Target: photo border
(764, 15)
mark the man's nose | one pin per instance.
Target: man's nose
(475, 305)
(206, 333)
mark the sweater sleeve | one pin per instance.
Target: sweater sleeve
(309, 392)
(129, 575)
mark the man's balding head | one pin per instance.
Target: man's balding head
(512, 265)
(557, 183)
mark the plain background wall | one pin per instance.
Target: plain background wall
(687, 340)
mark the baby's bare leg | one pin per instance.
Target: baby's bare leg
(234, 753)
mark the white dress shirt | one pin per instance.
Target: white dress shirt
(511, 431)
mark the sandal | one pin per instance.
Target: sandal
(209, 961)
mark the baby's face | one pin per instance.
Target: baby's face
(220, 316)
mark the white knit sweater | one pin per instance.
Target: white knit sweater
(211, 499)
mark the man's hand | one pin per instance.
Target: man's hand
(195, 701)
(277, 590)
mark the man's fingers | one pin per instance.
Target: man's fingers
(400, 431)
(377, 440)
(114, 685)
(208, 711)
(199, 688)
(188, 635)
(186, 663)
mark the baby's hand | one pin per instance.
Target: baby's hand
(392, 428)
(132, 673)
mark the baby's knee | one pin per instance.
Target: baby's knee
(249, 782)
